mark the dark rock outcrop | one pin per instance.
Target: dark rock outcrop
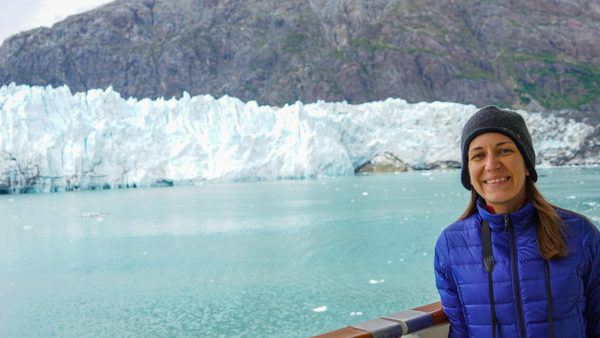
(383, 163)
(534, 54)
(390, 163)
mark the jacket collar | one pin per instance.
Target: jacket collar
(521, 218)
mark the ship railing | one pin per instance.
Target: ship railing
(427, 321)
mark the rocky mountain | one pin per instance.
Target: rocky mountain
(538, 54)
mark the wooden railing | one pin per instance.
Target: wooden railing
(424, 321)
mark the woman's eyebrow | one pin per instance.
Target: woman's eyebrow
(497, 145)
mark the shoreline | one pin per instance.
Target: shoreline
(49, 187)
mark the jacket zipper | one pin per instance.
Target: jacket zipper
(515, 270)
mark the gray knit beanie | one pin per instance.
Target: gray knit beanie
(493, 119)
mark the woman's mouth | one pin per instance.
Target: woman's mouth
(496, 180)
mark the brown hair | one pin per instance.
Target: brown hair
(550, 227)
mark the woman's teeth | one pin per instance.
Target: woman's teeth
(503, 179)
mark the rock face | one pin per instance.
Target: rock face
(537, 55)
(389, 163)
(383, 163)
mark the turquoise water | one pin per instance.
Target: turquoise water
(282, 258)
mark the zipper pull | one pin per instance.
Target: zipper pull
(506, 222)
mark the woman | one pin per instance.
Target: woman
(514, 265)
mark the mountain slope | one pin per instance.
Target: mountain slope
(535, 54)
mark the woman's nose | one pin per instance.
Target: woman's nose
(492, 162)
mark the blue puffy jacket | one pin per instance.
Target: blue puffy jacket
(574, 280)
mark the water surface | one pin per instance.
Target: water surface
(280, 258)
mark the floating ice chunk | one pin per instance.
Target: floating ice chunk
(401, 259)
(145, 253)
(357, 313)
(389, 262)
(320, 309)
(571, 197)
(365, 193)
(27, 227)
(375, 281)
(424, 253)
(97, 215)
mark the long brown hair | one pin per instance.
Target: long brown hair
(549, 226)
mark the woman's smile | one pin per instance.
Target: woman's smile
(496, 181)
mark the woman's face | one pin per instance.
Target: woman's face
(497, 171)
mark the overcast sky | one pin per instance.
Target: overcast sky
(21, 15)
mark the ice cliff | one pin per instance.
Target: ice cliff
(52, 139)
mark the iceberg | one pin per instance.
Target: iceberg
(52, 139)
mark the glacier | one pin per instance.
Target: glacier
(52, 139)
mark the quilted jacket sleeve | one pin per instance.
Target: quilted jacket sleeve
(591, 242)
(448, 292)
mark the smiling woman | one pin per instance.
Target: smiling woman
(497, 171)
(514, 265)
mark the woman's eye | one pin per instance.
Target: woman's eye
(477, 156)
(505, 151)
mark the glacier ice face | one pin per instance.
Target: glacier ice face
(53, 139)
